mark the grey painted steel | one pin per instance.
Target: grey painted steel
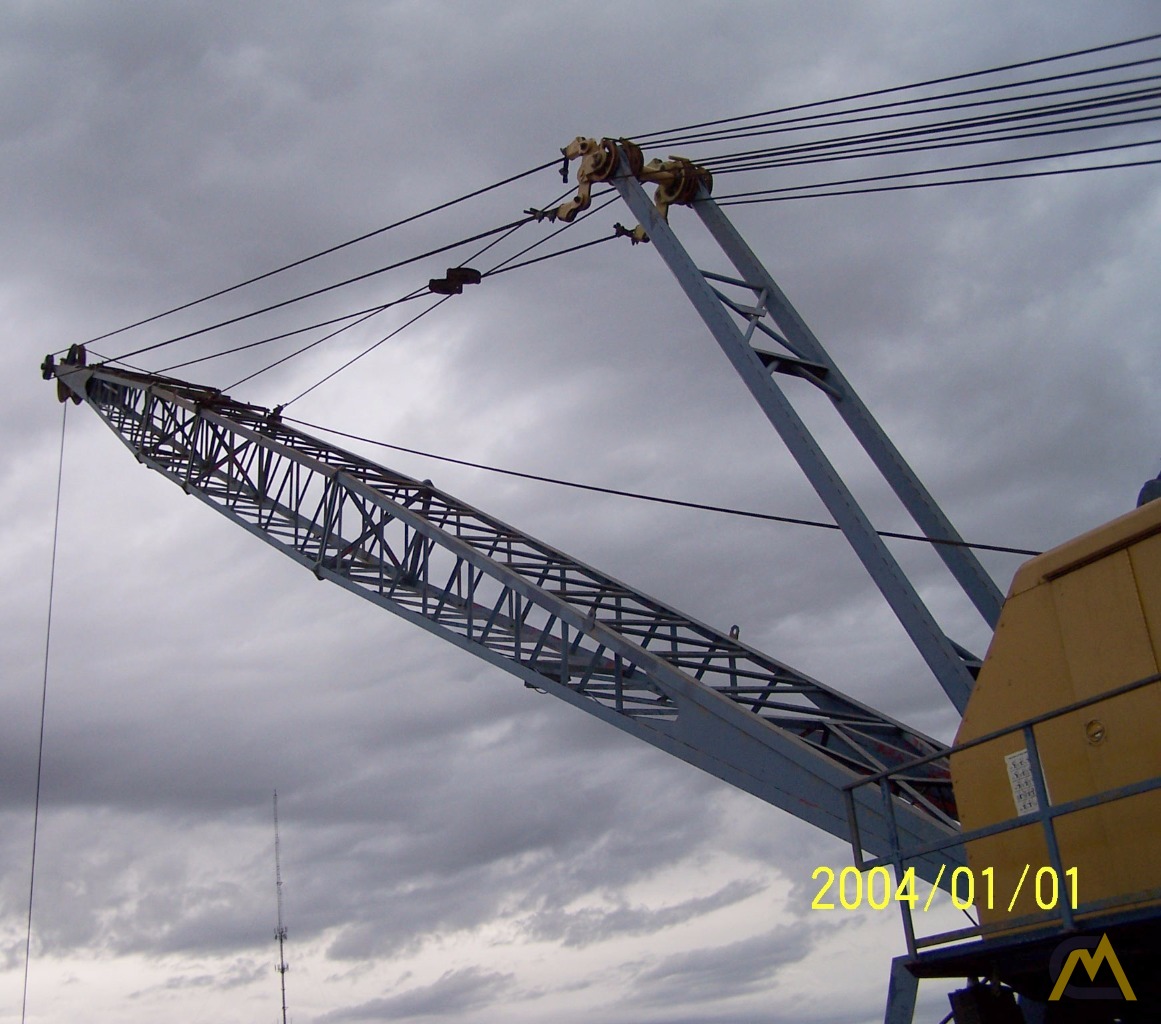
(943, 657)
(902, 993)
(561, 626)
(980, 588)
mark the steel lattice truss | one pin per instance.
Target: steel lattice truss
(518, 603)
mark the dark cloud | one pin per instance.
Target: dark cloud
(437, 817)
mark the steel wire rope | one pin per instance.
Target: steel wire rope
(805, 123)
(361, 314)
(499, 268)
(732, 157)
(354, 359)
(730, 199)
(381, 341)
(356, 318)
(436, 305)
(107, 359)
(415, 294)
(942, 170)
(867, 94)
(949, 142)
(553, 255)
(43, 708)
(657, 499)
(864, 140)
(327, 252)
(987, 122)
(651, 135)
(327, 288)
(864, 146)
(937, 184)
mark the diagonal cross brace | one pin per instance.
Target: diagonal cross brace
(563, 627)
(944, 658)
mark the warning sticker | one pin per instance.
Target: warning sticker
(1023, 788)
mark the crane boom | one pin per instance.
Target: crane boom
(560, 625)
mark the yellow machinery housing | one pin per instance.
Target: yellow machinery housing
(1079, 621)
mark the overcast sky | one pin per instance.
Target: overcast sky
(456, 847)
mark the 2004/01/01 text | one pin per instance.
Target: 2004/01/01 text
(880, 891)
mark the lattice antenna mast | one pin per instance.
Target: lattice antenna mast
(280, 935)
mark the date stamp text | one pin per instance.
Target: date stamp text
(966, 888)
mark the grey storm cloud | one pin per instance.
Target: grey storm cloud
(584, 927)
(454, 845)
(454, 992)
(702, 974)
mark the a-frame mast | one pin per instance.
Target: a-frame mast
(799, 354)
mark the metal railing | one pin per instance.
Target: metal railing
(1062, 916)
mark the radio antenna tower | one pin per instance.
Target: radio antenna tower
(280, 935)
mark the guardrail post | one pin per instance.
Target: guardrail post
(1044, 815)
(897, 858)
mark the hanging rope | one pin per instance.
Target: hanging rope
(43, 706)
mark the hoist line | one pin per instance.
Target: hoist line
(940, 170)
(872, 113)
(963, 76)
(657, 499)
(327, 288)
(328, 251)
(43, 709)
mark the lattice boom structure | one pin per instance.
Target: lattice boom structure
(526, 607)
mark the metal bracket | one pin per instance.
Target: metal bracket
(679, 181)
(454, 283)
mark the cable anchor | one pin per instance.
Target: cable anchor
(599, 162)
(678, 180)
